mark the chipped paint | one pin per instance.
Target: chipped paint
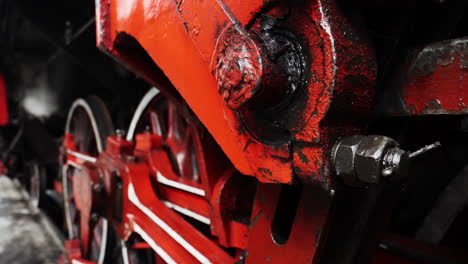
(436, 82)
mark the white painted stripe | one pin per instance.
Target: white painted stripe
(87, 108)
(74, 164)
(75, 261)
(163, 225)
(139, 111)
(187, 212)
(125, 257)
(163, 254)
(102, 249)
(81, 156)
(163, 180)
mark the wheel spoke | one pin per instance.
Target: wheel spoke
(185, 160)
(177, 127)
(194, 164)
(84, 232)
(168, 120)
(156, 123)
(174, 124)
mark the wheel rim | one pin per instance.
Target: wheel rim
(89, 123)
(35, 185)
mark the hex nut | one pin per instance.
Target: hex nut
(369, 157)
(343, 159)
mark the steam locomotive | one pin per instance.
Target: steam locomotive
(224, 131)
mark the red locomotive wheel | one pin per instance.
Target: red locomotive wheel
(90, 124)
(159, 116)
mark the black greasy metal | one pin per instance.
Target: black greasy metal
(452, 200)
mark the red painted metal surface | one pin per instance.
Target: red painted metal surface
(153, 192)
(308, 229)
(157, 199)
(147, 192)
(274, 83)
(227, 62)
(143, 20)
(437, 80)
(146, 213)
(4, 118)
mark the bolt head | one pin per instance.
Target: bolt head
(120, 133)
(97, 187)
